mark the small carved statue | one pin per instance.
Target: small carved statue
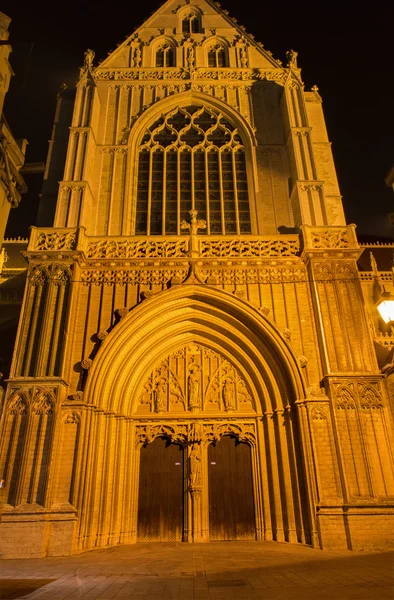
(195, 466)
(89, 58)
(243, 57)
(291, 56)
(161, 396)
(194, 386)
(137, 57)
(195, 434)
(190, 57)
(228, 395)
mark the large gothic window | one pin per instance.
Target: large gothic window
(192, 158)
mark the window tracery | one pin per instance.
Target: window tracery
(191, 23)
(165, 56)
(192, 158)
(217, 56)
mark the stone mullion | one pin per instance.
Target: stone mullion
(192, 178)
(73, 305)
(265, 491)
(87, 106)
(235, 191)
(149, 207)
(22, 476)
(339, 454)
(315, 460)
(56, 342)
(178, 204)
(207, 191)
(339, 310)
(71, 158)
(110, 195)
(295, 102)
(244, 105)
(135, 100)
(276, 492)
(163, 218)
(285, 475)
(80, 156)
(32, 330)
(290, 108)
(388, 438)
(45, 331)
(79, 105)
(8, 445)
(309, 470)
(355, 295)
(365, 452)
(369, 423)
(41, 422)
(219, 154)
(56, 445)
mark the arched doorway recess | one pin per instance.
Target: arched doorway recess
(236, 376)
(230, 485)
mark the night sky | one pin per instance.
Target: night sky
(347, 53)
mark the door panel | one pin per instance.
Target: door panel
(160, 505)
(231, 502)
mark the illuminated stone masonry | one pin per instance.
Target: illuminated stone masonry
(196, 354)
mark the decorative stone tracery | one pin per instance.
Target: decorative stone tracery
(195, 378)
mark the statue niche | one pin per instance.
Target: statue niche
(193, 379)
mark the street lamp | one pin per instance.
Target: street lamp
(385, 306)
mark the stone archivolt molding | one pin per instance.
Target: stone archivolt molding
(358, 395)
(205, 432)
(195, 378)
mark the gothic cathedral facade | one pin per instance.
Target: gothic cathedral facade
(194, 359)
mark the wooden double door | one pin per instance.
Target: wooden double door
(164, 494)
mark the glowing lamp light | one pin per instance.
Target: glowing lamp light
(385, 307)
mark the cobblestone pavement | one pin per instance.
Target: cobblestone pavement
(216, 571)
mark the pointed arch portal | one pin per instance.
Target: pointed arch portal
(193, 371)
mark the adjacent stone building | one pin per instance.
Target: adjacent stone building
(196, 355)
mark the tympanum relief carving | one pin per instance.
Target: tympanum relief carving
(195, 378)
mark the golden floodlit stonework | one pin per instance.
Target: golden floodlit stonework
(194, 329)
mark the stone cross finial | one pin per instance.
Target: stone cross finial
(195, 224)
